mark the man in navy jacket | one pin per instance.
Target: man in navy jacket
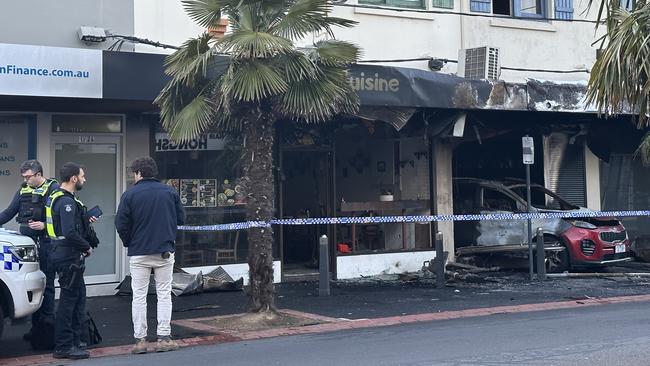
(146, 221)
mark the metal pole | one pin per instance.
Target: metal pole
(432, 192)
(541, 267)
(324, 267)
(440, 261)
(530, 228)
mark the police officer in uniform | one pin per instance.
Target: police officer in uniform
(28, 205)
(68, 228)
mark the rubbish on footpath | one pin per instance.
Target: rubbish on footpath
(184, 283)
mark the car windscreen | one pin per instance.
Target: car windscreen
(542, 198)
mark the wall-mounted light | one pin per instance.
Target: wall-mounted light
(92, 34)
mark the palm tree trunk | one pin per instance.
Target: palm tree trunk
(259, 184)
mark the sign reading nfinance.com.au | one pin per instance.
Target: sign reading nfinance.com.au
(50, 71)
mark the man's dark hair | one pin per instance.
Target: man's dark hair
(146, 166)
(32, 165)
(69, 170)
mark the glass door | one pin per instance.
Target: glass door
(101, 157)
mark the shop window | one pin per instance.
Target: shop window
(376, 168)
(205, 172)
(16, 145)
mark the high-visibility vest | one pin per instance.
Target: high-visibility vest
(49, 218)
(32, 201)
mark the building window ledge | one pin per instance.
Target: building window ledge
(395, 14)
(534, 25)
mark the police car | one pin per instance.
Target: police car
(21, 281)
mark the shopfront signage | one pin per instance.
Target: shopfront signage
(528, 150)
(50, 71)
(373, 82)
(86, 139)
(205, 142)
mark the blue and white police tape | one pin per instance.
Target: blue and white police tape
(420, 218)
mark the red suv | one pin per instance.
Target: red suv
(568, 241)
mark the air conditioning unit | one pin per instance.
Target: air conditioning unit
(479, 63)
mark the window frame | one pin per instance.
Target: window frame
(407, 4)
(517, 13)
(484, 6)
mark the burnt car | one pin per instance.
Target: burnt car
(568, 242)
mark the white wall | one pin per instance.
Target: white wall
(555, 45)
(164, 22)
(56, 23)
(237, 270)
(355, 266)
(386, 34)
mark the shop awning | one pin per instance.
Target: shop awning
(134, 76)
(413, 88)
(137, 78)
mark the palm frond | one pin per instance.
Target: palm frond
(319, 99)
(252, 80)
(191, 121)
(206, 13)
(193, 56)
(619, 80)
(307, 16)
(335, 53)
(247, 43)
(643, 151)
(297, 66)
(265, 71)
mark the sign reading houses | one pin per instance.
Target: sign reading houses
(205, 142)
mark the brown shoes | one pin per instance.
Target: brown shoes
(166, 344)
(140, 346)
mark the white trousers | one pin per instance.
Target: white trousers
(141, 266)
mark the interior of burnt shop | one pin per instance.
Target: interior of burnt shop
(353, 167)
(491, 149)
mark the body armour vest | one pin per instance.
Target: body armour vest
(49, 215)
(32, 202)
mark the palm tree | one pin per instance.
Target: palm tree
(267, 79)
(620, 77)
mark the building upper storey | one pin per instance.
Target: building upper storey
(547, 39)
(551, 35)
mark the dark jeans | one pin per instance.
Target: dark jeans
(46, 311)
(72, 306)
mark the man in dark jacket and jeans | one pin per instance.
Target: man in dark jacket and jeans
(146, 221)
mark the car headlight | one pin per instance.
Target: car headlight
(25, 253)
(582, 224)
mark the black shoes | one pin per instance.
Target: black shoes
(73, 353)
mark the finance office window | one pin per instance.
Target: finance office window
(206, 172)
(86, 123)
(16, 146)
